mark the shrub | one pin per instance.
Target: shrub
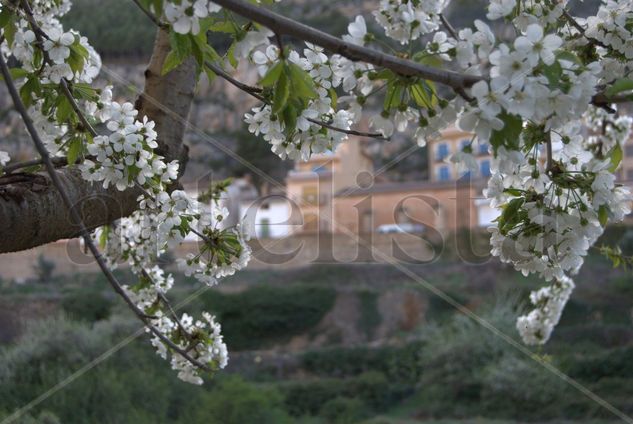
(43, 269)
(234, 401)
(401, 364)
(261, 316)
(613, 363)
(87, 305)
(114, 392)
(134, 34)
(372, 388)
(370, 317)
(344, 411)
(476, 368)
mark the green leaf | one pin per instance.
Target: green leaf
(230, 56)
(422, 94)
(103, 237)
(302, 83)
(32, 169)
(568, 56)
(272, 75)
(509, 135)
(6, 16)
(393, 97)
(32, 85)
(171, 62)
(510, 216)
(290, 118)
(616, 157)
(553, 73)
(16, 74)
(603, 214)
(180, 43)
(624, 84)
(282, 92)
(9, 31)
(75, 149)
(223, 26)
(334, 97)
(77, 59)
(64, 109)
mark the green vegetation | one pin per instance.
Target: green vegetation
(262, 316)
(114, 28)
(449, 370)
(369, 317)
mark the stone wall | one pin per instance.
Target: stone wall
(293, 251)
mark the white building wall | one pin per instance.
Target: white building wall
(269, 218)
(485, 214)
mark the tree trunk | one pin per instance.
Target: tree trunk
(32, 212)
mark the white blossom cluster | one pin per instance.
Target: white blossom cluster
(201, 339)
(162, 222)
(549, 302)
(611, 27)
(555, 156)
(126, 156)
(4, 158)
(535, 91)
(61, 46)
(406, 21)
(184, 16)
(308, 136)
(122, 154)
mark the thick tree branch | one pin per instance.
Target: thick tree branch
(36, 217)
(77, 220)
(285, 26)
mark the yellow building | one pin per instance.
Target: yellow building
(312, 184)
(336, 193)
(451, 141)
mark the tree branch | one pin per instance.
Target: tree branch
(451, 30)
(285, 26)
(35, 217)
(83, 231)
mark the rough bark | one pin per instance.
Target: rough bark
(32, 212)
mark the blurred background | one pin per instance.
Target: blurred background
(334, 334)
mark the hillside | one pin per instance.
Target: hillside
(328, 344)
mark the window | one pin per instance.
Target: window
(264, 228)
(442, 151)
(629, 175)
(443, 173)
(310, 195)
(465, 142)
(483, 149)
(628, 150)
(320, 169)
(311, 222)
(484, 168)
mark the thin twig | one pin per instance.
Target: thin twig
(83, 231)
(451, 30)
(255, 92)
(550, 158)
(581, 30)
(285, 26)
(151, 16)
(12, 167)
